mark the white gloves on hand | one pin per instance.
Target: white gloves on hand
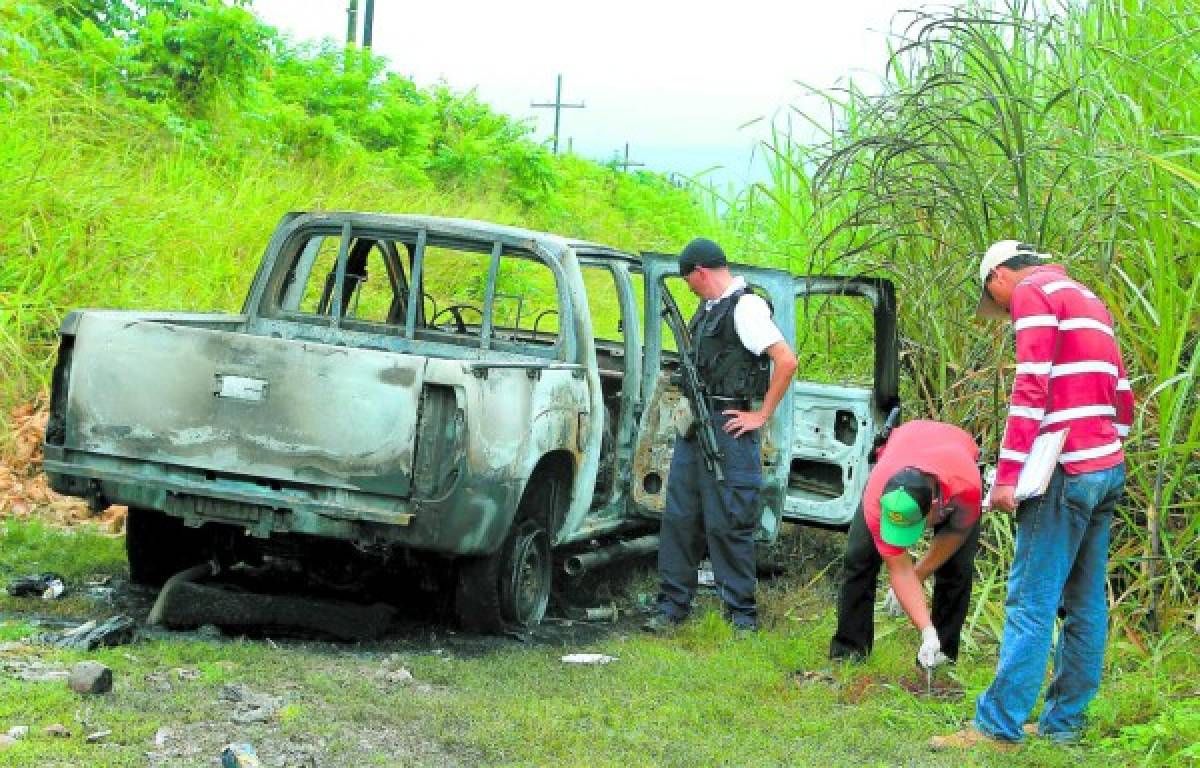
(891, 605)
(930, 655)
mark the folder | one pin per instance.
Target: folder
(1040, 464)
(1037, 470)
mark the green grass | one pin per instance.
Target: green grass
(698, 697)
(77, 554)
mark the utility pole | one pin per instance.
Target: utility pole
(626, 164)
(558, 106)
(352, 22)
(368, 23)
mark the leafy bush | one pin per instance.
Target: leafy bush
(148, 148)
(1171, 737)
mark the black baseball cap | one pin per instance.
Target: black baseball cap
(700, 252)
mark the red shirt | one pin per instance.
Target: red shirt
(1069, 374)
(942, 450)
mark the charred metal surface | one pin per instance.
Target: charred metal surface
(829, 455)
(399, 434)
(330, 415)
(656, 445)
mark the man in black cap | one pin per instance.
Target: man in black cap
(746, 367)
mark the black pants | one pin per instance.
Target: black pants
(722, 516)
(856, 603)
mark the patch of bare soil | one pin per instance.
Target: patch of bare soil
(939, 686)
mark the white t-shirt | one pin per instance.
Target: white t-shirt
(751, 319)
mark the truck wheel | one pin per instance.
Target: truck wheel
(158, 545)
(509, 589)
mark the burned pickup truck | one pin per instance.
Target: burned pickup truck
(461, 397)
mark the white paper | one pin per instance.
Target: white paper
(1040, 464)
(588, 658)
(1035, 472)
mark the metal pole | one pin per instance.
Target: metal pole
(368, 23)
(351, 22)
(626, 164)
(557, 108)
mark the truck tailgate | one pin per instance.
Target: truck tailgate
(253, 406)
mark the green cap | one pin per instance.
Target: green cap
(901, 519)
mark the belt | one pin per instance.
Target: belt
(726, 403)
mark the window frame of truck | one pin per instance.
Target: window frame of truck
(265, 312)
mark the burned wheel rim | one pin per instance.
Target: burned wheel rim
(526, 588)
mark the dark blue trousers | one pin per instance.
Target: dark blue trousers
(722, 516)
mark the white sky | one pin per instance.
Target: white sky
(677, 80)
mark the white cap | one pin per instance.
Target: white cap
(996, 254)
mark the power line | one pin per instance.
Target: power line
(626, 164)
(351, 22)
(558, 106)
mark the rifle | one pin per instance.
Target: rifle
(888, 425)
(693, 390)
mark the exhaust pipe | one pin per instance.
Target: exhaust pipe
(576, 565)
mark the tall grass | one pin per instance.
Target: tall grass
(1070, 125)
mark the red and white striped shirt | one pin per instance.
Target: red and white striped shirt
(1069, 374)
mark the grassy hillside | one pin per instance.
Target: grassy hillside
(145, 158)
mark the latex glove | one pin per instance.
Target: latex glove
(930, 655)
(891, 605)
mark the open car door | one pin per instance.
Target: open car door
(847, 385)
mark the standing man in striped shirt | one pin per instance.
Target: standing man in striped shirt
(1069, 375)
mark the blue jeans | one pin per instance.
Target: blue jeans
(1060, 561)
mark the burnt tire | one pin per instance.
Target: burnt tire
(510, 589)
(158, 545)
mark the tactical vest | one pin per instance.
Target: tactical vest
(724, 364)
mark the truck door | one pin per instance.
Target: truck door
(847, 384)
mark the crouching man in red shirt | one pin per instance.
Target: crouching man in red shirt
(926, 476)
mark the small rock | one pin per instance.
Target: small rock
(160, 737)
(36, 671)
(250, 706)
(183, 673)
(98, 736)
(209, 630)
(58, 730)
(6, 741)
(158, 682)
(90, 677)
(259, 715)
(18, 732)
(399, 676)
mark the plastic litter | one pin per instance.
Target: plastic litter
(588, 658)
(240, 756)
(48, 585)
